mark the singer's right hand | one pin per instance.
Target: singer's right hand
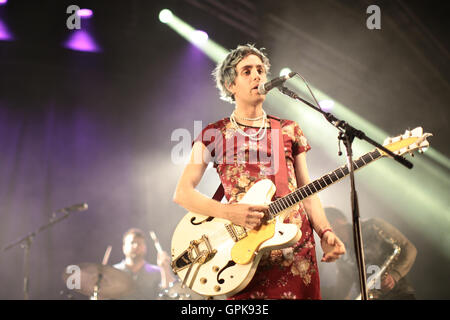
(246, 215)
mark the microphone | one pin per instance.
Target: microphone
(263, 88)
(75, 207)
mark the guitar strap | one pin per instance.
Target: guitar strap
(219, 194)
(281, 176)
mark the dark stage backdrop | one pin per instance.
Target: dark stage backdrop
(97, 128)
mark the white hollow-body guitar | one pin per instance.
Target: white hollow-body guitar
(216, 257)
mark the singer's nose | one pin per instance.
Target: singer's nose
(255, 74)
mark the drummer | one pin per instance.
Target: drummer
(149, 279)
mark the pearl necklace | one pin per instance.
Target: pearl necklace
(250, 119)
(251, 136)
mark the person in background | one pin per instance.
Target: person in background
(380, 240)
(149, 279)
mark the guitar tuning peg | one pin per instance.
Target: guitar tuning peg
(420, 151)
(412, 154)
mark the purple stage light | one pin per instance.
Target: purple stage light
(5, 35)
(80, 40)
(199, 37)
(3, 2)
(84, 13)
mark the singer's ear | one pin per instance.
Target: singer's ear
(230, 87)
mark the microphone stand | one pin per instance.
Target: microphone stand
(347, 134)
(25, 243)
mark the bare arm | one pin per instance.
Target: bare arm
(332, 246)
(185, 193)
(312, 204)
(188, 197)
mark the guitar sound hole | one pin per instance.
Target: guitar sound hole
(203, 221)
(229, 264)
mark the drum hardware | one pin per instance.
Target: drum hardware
(25, 242)
(100, 275)
(175, 289)
(100, 281)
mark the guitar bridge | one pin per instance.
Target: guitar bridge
(199, 251)
(236, 232)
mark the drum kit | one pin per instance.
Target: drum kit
(94, 280)
(99, 281)
(102, 281)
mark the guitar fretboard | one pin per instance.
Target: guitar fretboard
(326, 180)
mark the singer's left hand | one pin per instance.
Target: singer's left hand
(332, 247)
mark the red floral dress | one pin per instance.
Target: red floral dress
(289, 273)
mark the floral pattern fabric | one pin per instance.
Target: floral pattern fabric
(289, 273)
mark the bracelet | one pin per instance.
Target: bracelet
(324, 231)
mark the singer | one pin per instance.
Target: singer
(291, 272)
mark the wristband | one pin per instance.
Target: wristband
(324, 231)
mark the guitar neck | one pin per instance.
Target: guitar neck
(317, 185)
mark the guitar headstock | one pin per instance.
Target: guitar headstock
(408, 142)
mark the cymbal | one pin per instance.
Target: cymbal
(114, 283)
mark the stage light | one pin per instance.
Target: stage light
(85, 13)
(80, 40)
(285, 72)
(165, 16)
(199, 37)
(326, 105)
(209, 47)
(5, 35)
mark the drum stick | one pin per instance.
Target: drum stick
(155, 240)
(106, 256)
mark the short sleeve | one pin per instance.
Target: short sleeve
(210, 136)
(300, 143)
